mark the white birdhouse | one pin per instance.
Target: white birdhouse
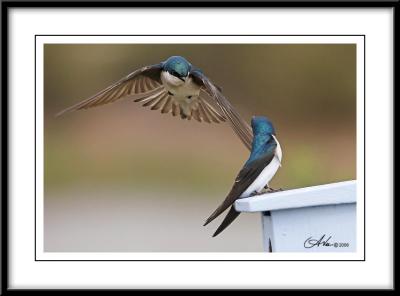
(311, 219)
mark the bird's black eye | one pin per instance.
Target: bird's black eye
(189, 97)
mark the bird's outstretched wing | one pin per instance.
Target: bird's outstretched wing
(241, 127)
(142, 83)
(244, 179)
(203, 110)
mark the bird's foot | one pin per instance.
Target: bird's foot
(265, 190)
(254, 194)
(268, 189)
(274, 190)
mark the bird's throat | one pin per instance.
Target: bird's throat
(170, 80)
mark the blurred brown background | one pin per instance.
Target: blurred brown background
(123, 178)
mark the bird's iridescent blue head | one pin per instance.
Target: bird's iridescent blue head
(261, 125)
(177, 66)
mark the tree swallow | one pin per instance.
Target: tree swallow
(173, 86)
(264, 161)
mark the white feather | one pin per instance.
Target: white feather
(170, 80)
(185, 93)
(180, 89)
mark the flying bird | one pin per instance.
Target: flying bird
(173, 86)
(264, 161)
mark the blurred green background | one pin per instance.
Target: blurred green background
(121, 177)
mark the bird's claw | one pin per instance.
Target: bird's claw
(275, 190)
(263, 191)
(267, 189)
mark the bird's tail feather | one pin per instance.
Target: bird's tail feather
(232, 215)
(216, 213)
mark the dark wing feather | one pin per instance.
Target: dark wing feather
(207, 112)
(245, 178)
(232, 215)
(241, 127)
(142, 80)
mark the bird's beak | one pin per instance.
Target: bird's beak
(182, 78)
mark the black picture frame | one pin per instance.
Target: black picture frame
(7, 5)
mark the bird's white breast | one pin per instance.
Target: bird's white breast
(278, 151)
(267, 173)
(170, 80)
(180, 89)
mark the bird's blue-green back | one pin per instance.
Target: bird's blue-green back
(263, 142)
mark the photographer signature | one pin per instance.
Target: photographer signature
(323, 241)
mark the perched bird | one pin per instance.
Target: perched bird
(263, 163)
(173, 86)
